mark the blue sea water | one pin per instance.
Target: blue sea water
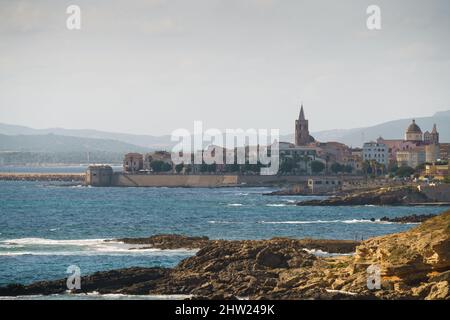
(46, 226)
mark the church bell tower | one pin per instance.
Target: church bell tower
(302, 136)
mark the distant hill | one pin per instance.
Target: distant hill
(352, 137)
(52, 143)
(388, 130)
(146, 141)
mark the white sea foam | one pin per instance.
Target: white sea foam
(276, 205)
(41, 246)
(234, 204)
(299, 222)
(320, 253)
(96, 296)
(222, 222)
(331, 221)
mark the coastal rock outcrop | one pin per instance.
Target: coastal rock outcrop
(412, 265)
(168, 241)
(405, 195)
(414, 218)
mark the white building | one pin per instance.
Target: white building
(376, 151)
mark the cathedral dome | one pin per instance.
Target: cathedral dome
(413, 128)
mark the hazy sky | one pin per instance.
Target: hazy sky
(150, 66)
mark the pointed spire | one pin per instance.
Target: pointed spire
(434, 129)
(302, 113)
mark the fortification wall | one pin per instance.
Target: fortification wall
(257, 180)
(156, 180)
(204, 180)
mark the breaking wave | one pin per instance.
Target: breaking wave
(320, 253)
(42, 246)
(332, 221)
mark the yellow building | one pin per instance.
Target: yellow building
(438, 171)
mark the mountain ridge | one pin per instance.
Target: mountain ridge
(393, 129)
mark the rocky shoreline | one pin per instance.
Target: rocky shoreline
(414, 218)
(413, 265)
(175, 241)
(389, 196)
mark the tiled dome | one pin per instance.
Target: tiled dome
(413, 128)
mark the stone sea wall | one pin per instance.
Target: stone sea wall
(79, 177)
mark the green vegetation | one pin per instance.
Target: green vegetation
(317, 166)
(179, 167)
(340, 168)
(160, 166)
(404, 171)
(208, 167)
(287, 165)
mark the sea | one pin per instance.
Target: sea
(45, 227)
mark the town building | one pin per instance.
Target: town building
(413, 132)
(437, 171)
(374, 151)
(301, 156)
(133, 162)
(333, 152)
(325, 184)
(416, 149)
(411, 158)
(431, 137)
(444, 151)
(432, 153)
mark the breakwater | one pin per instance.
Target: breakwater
(43, 176)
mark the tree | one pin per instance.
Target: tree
(336, 167)
(393, 168)
(366, 167)
(405, 171)
(421, 167)
(166, 167)
(212, 167)
(287, 165)
(234, 167)
(160, 166)
(179, 167)
(317, 166)
(348, 168)
(156, 165)
(203, 167)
